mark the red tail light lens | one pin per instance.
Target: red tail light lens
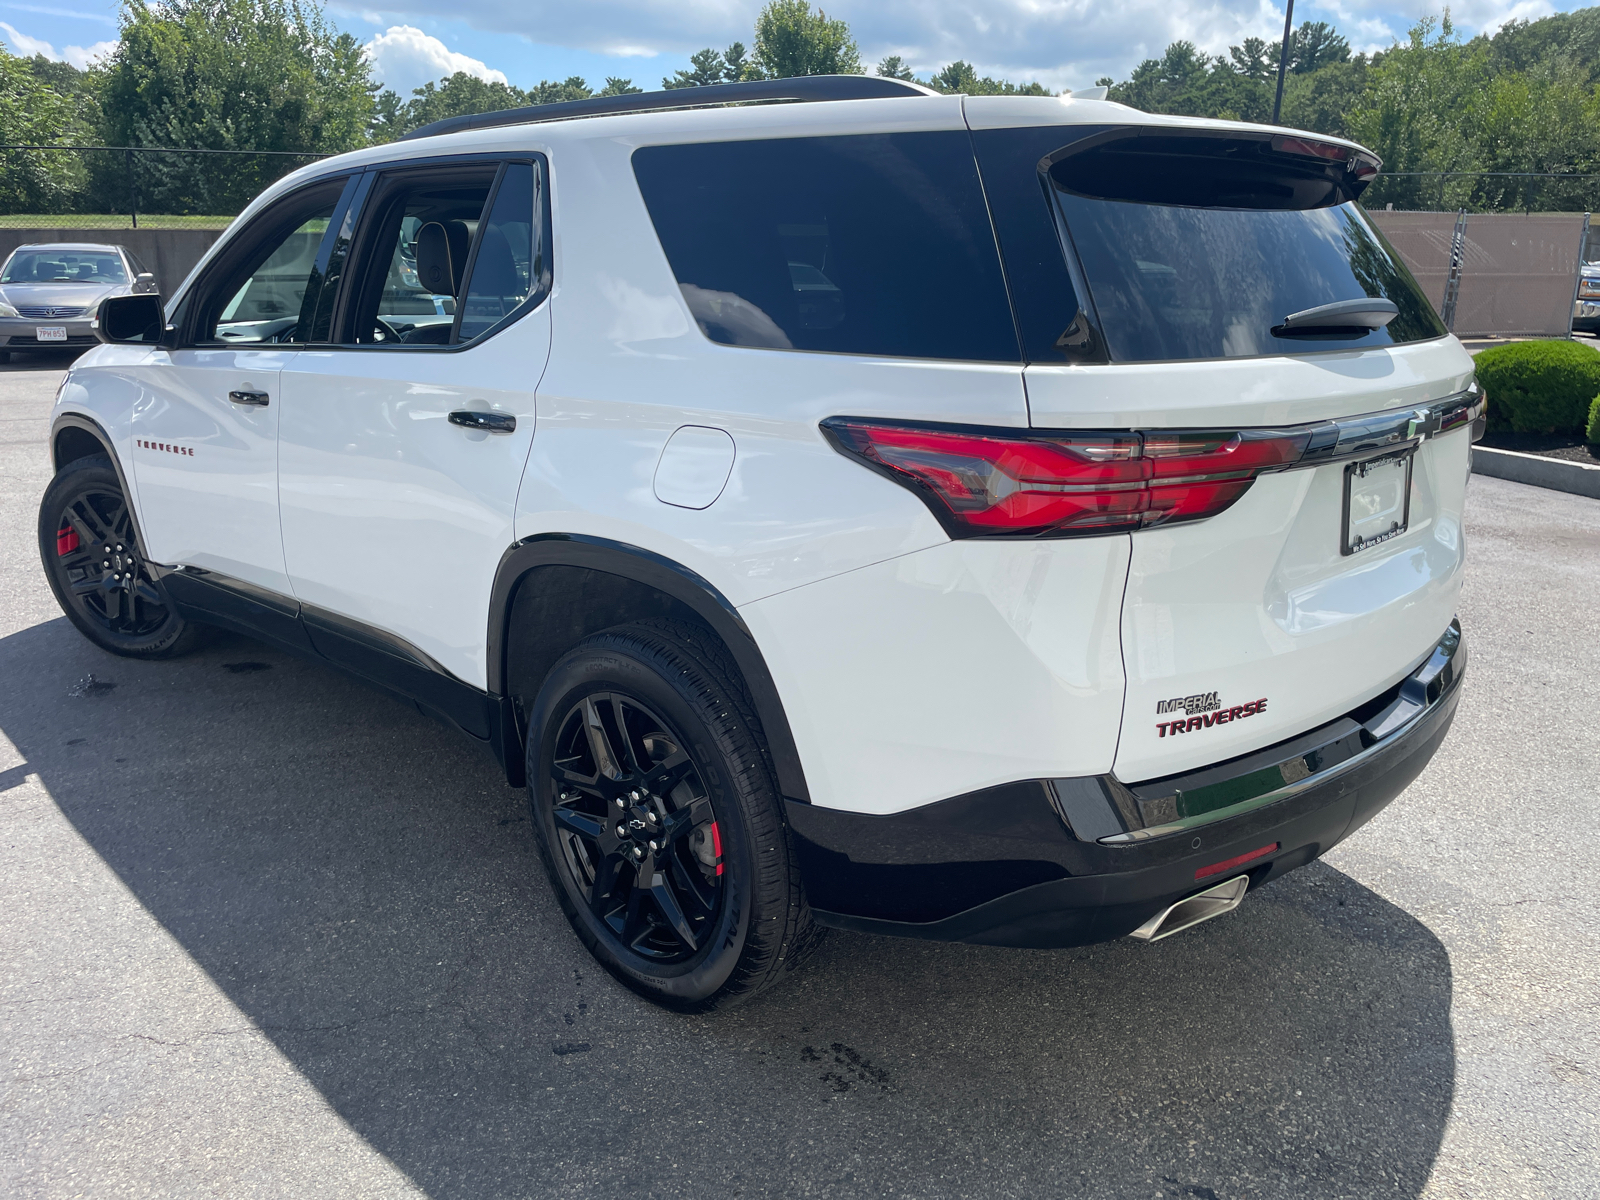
(993, 482)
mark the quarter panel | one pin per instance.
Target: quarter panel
(628, 366)
(959, 667)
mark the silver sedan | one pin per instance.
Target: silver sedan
(49, 293)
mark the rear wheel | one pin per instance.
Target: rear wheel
(658, 819)
(96, 568)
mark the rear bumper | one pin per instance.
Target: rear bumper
(1050, 863)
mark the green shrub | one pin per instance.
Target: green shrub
(1540, 387)
(1593, 432)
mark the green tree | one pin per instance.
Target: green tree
(894, 67)
(230, 75)
(1323, 100)
(963, 78)
(459, 95)
(573, 87)
(736, 67)
(793, 40)
(1315, 45)
(619, 87)
(33, 112)
(705, 67)
(1254, 59)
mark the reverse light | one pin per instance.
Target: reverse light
(997, 482)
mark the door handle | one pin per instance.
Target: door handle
(258, 399)
(496, 422)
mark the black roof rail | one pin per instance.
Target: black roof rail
(800, 87)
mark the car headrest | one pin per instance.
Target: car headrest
(442, 256)
(496, 272)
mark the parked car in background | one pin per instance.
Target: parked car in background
(50, 293)
(1586, 309)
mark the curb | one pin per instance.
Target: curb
(1580, 479)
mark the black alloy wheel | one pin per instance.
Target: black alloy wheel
(658, 819)
(636, 828)
(92, 558)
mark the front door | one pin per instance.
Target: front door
(401, 450)
(205, 419)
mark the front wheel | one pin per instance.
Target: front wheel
(658, 819)
(97, 569)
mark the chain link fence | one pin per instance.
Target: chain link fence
(133, 187)
(1483, 191)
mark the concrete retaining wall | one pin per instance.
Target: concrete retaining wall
(1580, 479)
(170, 253)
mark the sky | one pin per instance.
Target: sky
(1059, 43)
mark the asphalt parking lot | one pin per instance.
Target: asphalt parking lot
(264, 932)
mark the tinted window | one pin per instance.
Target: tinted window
(877, 244)
(504, 273)
(1197, 247)
(65, 266)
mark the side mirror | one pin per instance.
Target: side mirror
(137, 320)
(143, 283)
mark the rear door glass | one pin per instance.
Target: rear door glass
(875, 244)
(1198, 247)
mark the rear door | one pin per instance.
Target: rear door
(1153, 270)
(402, 446)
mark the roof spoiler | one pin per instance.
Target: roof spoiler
(798, 88)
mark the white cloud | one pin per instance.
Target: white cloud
(405, 58)
(79, 56)
(1061, 43)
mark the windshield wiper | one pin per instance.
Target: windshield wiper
(1364, 314)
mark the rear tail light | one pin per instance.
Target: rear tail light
(999, 482)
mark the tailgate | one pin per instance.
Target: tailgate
(1251, 627)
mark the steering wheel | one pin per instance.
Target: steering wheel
(390, 333)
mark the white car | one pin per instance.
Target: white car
(1012, 520)
(50, 292)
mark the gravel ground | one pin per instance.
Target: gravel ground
(266, 933)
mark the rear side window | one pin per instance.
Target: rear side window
(1199, 247)
(877, 244)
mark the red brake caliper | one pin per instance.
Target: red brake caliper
(66, 541)
(716, 845)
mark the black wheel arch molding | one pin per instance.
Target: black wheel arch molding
(641, 573)
(69, 429)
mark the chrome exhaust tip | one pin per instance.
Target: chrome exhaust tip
(1192, 910)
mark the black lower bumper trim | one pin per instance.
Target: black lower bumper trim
(1001, 867)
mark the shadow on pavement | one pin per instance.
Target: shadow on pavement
(361, 884)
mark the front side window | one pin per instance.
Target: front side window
(873, 244)
(65, 266)
(269, 287)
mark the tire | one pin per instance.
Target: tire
(5, 356)
(112, 596)
(678, 769)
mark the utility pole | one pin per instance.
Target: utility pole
(1283, 60)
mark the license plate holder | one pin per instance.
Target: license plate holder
(50, 333)
(1377, 501)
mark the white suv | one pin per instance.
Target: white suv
(1008, 520)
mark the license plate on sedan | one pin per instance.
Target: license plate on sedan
(50, 333)
(1377, 501)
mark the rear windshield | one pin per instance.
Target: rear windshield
(1197, 248)
(874, 244)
